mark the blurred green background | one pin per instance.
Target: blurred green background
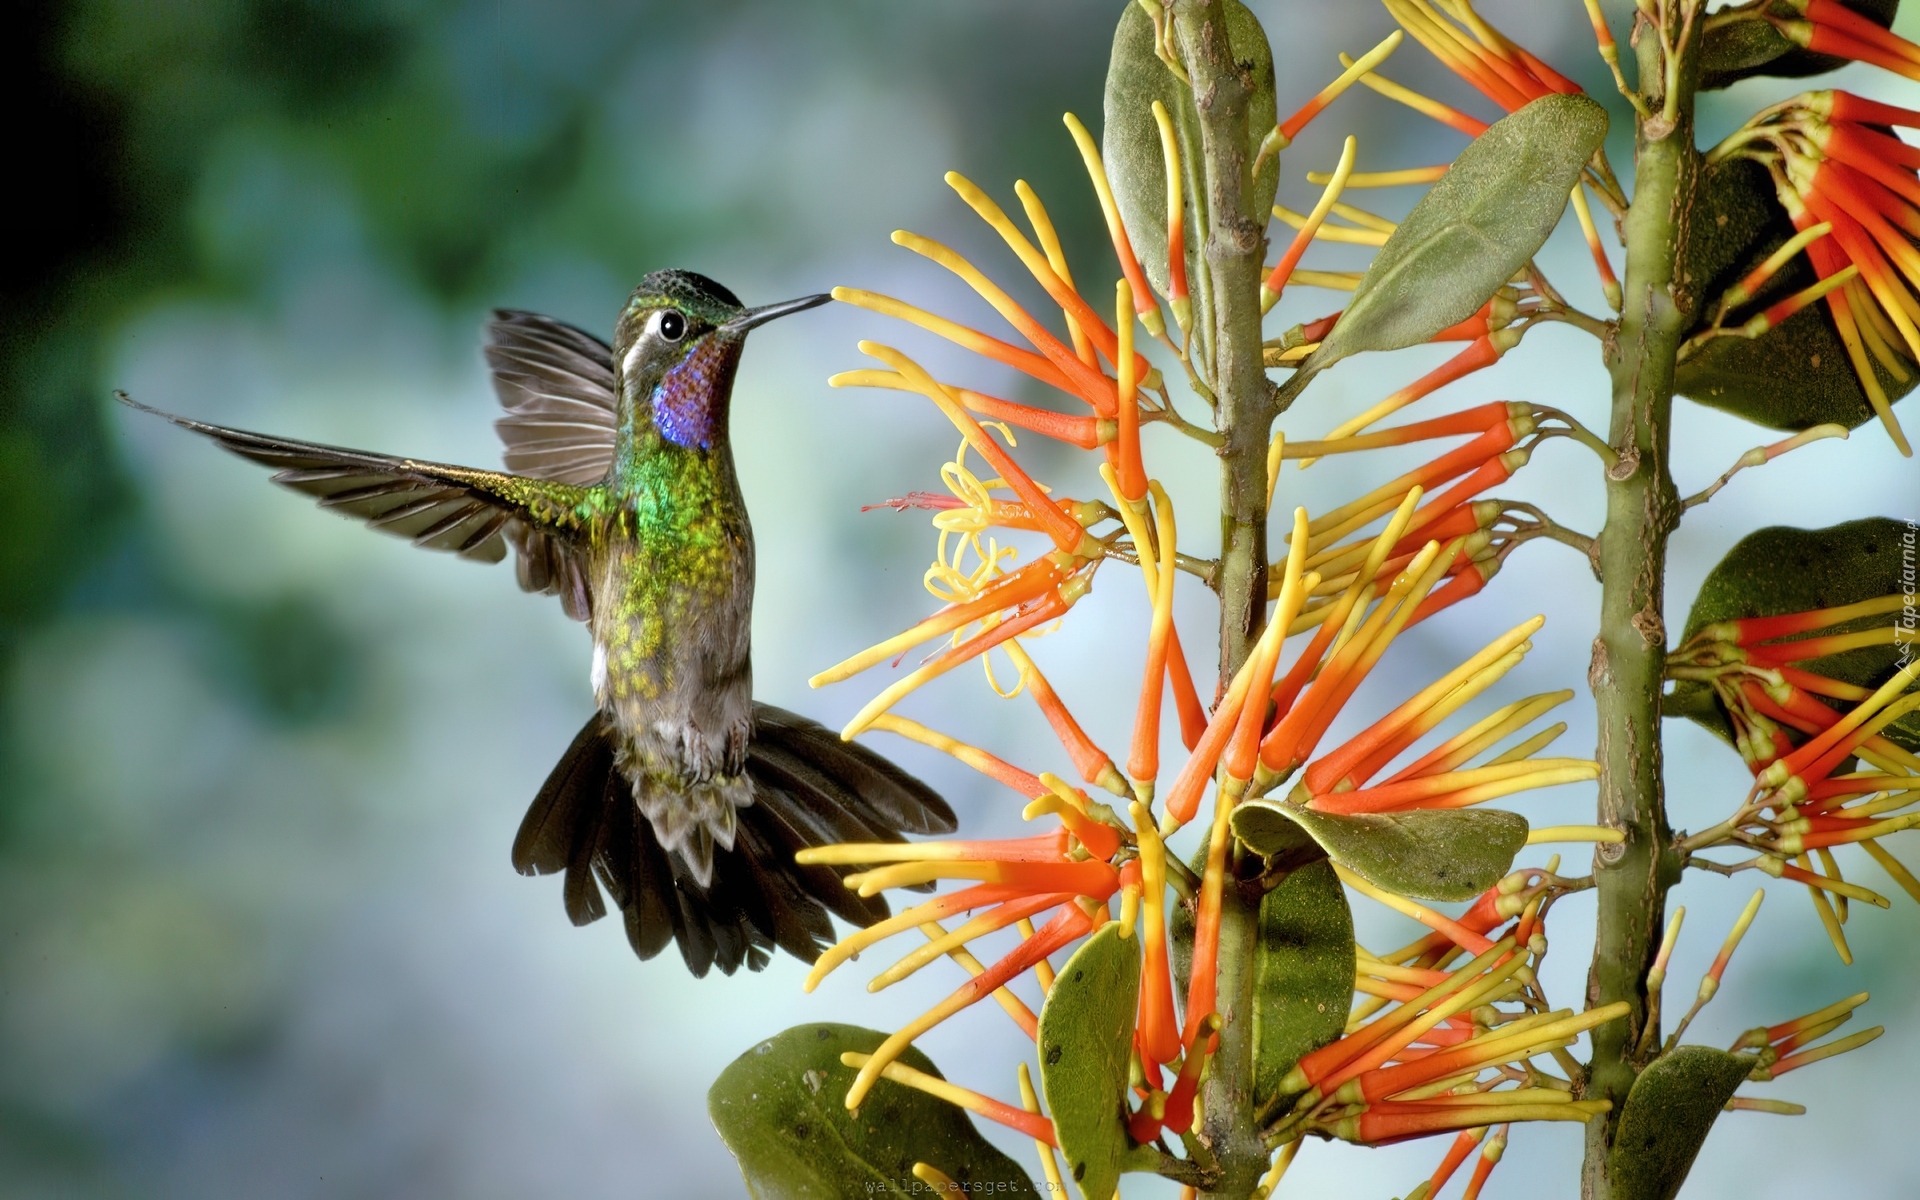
(259, 769)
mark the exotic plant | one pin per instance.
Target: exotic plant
(1212, 1016)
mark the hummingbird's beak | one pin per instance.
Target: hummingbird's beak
(754, 317)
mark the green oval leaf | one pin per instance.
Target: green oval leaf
(1786, 570)
(1430, 854)
(1470, 233)
(1796, 376)
(780, 1109)
(1736, 50)
(1666, 1118)
(1085, 1043)
(1302, 973)
(1136, 166)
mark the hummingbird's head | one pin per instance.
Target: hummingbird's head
(676, 346)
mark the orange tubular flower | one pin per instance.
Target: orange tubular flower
(1016, 879)
(1501, 71)
(1149, 313)
(1090, 760)
(1088, 433)
(1833, 167)
(1830, 27)
(1464, 1143)
(1158, 1031)
(1484, 352)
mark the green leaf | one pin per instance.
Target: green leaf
(1302, 972)
(1736, 50)
(1085, 1043)
(1782, 570)
(780, 1109)
(1666, 1118)
(1797, 375)
(1470, 233)
(1136, 166)
(1430, 854)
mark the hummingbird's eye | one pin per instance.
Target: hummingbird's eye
(672, 325)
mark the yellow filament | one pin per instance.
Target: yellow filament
(1363, 218)
(1376, 179)
(1490, 729)
(1276, 452)
(1015, 1008)
(1532, 746)
(1030, 1100)
(850, 853)
(880, 1064)
(1893, 867)
(1329, 233)
(940, 941)
(1056, 258)
(1574, 833)
(1481, 661)
(1354, 70)
(1335, 281)
(1405, 95)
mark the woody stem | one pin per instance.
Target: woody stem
(1632, 878)
(1234, 245)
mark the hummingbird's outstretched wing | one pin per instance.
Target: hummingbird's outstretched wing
(439, 506)
(810, 789)
(561, 398)
(557, 385)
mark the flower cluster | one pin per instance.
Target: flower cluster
(1353, 580)
(1445, 1032)
(1853, 191)
(1795, 740)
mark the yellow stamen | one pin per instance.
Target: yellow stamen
(1893, 867)
(898, 1072)
(1014, 1006)
(1484, 733)
(1310, 227)
(1363, 218)
(914, 873)
(1376, 179)
(1056, 258)
(1360, 591)
(1116, 228)
(960, 335)
(1030, 1100)
(940, 941)
(1346, 79)
(1335, 281)
(1329, 233)
(1276, 453)
(1574, 833)
(1770, 865)
(1042, 969)
(1532, 746)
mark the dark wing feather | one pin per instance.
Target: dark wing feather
(438, 506)
(557, 385)
(809, 789)
(562, 400)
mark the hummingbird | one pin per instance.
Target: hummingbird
(682, 797)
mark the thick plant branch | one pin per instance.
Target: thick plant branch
(1626, 674)
(1232, 251)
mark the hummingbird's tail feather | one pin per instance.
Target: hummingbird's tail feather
(810, 788)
